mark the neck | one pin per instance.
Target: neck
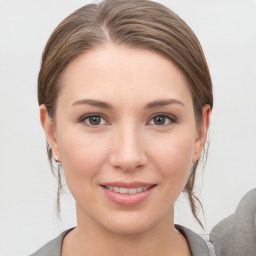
(89, 238)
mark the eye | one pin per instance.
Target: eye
(93, 120)
(161, 120)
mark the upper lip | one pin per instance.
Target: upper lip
(120, 184)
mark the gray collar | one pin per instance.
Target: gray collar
(197, 245)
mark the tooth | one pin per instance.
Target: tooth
(116, 189)
(132, 190)
(128, 190)
(123, 190)
(138, 190)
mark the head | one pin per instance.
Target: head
(137, 25)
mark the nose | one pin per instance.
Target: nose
(128, 152)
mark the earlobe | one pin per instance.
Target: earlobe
(49, 130)
(202, 136)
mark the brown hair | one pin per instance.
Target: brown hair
(136, 23)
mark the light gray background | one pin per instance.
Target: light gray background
(227, 32)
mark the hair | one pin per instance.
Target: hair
(140, 24)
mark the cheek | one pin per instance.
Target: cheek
(173, 158)
(82, 158)
(174, 151)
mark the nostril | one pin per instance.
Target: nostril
(127, 162)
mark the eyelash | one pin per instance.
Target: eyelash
(83, 119)
(171, 118)
(86, 117)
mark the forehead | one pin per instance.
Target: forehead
(123, 73)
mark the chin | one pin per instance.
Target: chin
(130, 228)
(129, 224)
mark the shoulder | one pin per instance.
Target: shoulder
(53, 247)
(236, 234)
(197, 244)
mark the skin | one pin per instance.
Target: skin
(128, 144)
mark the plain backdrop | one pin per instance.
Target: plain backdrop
(227, 33)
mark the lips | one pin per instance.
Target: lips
(128, 194)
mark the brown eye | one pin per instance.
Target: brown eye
(94, 120)
(161, 120)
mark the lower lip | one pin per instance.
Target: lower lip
(127, 199)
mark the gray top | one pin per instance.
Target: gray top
(197, 245)
(236, 235)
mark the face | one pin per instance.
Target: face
(126, 135)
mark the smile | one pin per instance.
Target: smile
(128, 190)
(128, 194)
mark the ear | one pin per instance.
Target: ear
(202, 135)
(49, 130)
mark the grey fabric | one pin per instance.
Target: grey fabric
(236, 235)
(197, 245)
(52, 248)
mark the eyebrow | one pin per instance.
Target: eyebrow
(92, 102)
(102, 104)
(164, 102)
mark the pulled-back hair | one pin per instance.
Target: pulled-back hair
(139, 24)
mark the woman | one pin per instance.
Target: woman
(125, 99)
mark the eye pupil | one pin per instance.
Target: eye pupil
(159, 120)
(94, 120)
